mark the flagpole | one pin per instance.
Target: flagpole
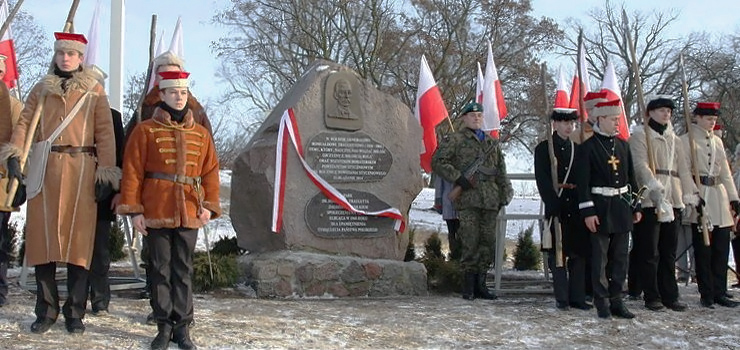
(12, 13)
(150, 70)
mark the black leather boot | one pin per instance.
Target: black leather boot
(481, 290)
(469, 286)
(164, 334)
(181, 336)
(602, 309)
(619, 310)
(42, 324)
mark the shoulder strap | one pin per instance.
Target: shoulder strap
(69, 117)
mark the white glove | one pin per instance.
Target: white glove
(657, 192)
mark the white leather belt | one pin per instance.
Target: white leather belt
(609, 191)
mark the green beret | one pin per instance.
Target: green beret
(472, 107)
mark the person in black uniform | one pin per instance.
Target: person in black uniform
(569, 284)
(605, 181)
(99, 286)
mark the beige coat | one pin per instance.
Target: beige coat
(710, 148)
(668, 154)
(10, 112)
(61, 219)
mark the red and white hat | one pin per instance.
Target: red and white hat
(70, 41)
(608, 108)
(174, 79)
(592, 98)
(707, 108)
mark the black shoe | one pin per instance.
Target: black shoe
(150, 319)
(561, 305)
(654, 305)
(164, 334)
(41, 325)
(633, 297)
(481, 290)
(723, 301)
(581, 306)
(619, 310)
(99, 312)
(707, 303)
(74, 325)
(181, 336)
(676, 306)
(469, 286)
(736, 285)
(602, 310)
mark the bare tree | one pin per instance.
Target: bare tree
(657, 54)
(271, 44)
(135, 85)
(32, 49)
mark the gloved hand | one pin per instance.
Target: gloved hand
(735, 205)
(14, 171)
(20, 196)
(656, 192)
(700, 207)
(103, 191)
(463, 182)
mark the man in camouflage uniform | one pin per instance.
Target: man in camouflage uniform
(472, 160)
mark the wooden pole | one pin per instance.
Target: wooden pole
(150, 70)
(11, 15)
(581, 88)
(559, 261)
(692, 146)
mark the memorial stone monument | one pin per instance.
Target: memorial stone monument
(364, 143)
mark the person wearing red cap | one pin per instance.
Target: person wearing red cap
(669, 185)
(166, 62)
(719, 204)
(605, 183)
(170, 187)
(81, 167)
(589, 101)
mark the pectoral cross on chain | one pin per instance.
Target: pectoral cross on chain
(613, 161)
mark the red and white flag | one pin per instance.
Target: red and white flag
(7, 49)
(610, 85)
(494, 107)
(429, 111)
(288, 132)
(479, 85)
(578, 83)
(176, 45)
(561, 94)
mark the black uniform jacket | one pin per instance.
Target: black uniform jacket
(597, 168)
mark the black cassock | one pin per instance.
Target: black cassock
(565, 206)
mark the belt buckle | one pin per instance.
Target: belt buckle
(181, 179)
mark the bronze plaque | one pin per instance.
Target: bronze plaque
(327, 219)
(342, 102)
(348, 157)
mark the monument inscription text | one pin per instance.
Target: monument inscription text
(345, 157)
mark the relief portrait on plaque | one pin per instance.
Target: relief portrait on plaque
(342, 102)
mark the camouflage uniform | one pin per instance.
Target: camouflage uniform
(477, 206)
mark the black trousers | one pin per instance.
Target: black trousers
(453, 240)
(98, 279)
(634, 283)
(6, 251)
(171, 269)
(47, 295)
(711, 261)
(736, 255)
(609, 258)
(655, 261)
(568, 282)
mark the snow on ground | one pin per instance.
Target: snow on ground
(234, 319)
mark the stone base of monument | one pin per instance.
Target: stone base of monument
(289, 274)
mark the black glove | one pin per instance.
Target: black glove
(14, 171)
(735, 205)
(463, 182)
(20, 196)
(700, 207)
(103, 191)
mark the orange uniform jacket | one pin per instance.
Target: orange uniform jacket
(159, 145)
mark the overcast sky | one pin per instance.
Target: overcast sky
(710, 15)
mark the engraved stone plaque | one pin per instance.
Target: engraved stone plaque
(348, 157)
(342, 102)
(327, 219)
